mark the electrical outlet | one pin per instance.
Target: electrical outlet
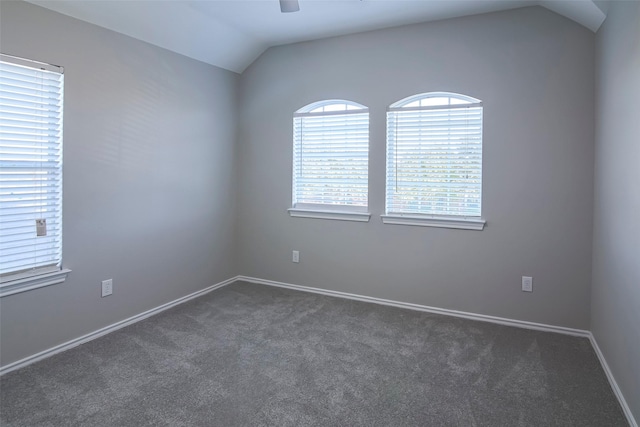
(527, 284)
(296, 256)
(107, 287)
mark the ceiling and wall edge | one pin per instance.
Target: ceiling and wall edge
(241, 48)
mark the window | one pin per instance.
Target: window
(30, 175)
(434, 161)
(331, 161)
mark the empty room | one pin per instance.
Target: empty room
(319, 213)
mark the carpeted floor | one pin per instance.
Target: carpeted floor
(253, 355)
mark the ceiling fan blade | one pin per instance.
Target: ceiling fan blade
(287, 6)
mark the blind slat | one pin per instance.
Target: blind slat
(30, 167)
(434, 161)
(331, 158)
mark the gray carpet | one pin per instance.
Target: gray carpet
(252, 355)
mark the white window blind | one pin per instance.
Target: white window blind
(331, 156)
(434, 156)
(31, 96)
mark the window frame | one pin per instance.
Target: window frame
(391, 216)
(37, 275)
(333, 211)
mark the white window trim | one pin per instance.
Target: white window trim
(23, 281)
(340, 215)
(423, 220)
(461, 223)
(360, 110)
(438, 107)
(24, 284)
(329, 211)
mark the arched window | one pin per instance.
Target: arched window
(434, 161)
(331, 161)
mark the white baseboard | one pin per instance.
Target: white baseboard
(425, 308)
(613, 382)
(466, 315)
(108, 329)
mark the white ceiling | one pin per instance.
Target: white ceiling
(231, 34)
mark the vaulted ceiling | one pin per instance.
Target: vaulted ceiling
(231, 34)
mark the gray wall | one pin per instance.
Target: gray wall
(150, 182)
(534, 71)
(149, 141)
(615, 307)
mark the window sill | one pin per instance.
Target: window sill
(336, 215)
(443, 222)
(34, 282)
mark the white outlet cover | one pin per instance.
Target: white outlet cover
(107, 287)
(527, 284)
